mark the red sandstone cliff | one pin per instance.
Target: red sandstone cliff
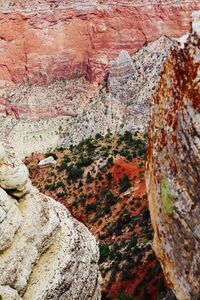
(174, 168)
(58, 39)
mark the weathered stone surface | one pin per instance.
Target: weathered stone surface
(7, 292)
(44, 252)
(121, 68)
(174, 166)
(52, 40)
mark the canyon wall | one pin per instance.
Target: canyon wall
(173, 167)
(44, 41)
(44, 252)
(78, 109)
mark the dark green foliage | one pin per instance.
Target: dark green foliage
(50, 187)
(89, 178)
(124, 183)
(98, 136)
(74, 173)
(123, 296)
(75, 204)
(126, 274)
(64, 164)
(110, 199)
(109, 177)
(89, 146)
(84, 162)
(104, 252)
(91, 207)
(104, 296)
(61, 195)
(60, 184)
(110, 162)
(113, 272)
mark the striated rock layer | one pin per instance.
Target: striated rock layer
(78, 109)
(44, 252)
(44, 41)
(173, 167)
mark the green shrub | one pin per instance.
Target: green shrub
(126, 274)
(109, 177)
(123, 296)
(84, 161)
(104, 252)
(124, 183)
(113, 272)
(91, 207)
(109, 162)
(89, 178)
(74, 173)
(60, 184)
(50, 187)
(98, 136)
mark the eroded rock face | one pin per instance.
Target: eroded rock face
(45, 253)
(89, 108)
(44, 41)
(174, 166)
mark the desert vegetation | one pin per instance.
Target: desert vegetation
(101, 181)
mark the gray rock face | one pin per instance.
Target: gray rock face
(44, 252)
(121, 68)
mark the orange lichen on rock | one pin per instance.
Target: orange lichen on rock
(173, 167)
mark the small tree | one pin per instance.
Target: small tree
(124, 183)
(104, 252)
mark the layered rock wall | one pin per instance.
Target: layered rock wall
(44, 252)
(53, 40)
(173, 167)
(87, 109)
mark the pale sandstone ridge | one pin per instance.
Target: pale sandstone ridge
(173, 167)
(44, 252)
(44, 41)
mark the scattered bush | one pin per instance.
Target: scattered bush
(124, 183)
(104, 252)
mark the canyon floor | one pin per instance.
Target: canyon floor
(101, 181)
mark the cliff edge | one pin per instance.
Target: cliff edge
(173, 167)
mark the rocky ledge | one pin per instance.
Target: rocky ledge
(44, 252)
(174, 166)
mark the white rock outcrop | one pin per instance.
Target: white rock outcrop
(49, 161)
(44, 252)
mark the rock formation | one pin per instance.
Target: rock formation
(44, 41)
(44, 252)
(173, 167)
(121, 68)
(26, 118)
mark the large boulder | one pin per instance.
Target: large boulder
(44, 252)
